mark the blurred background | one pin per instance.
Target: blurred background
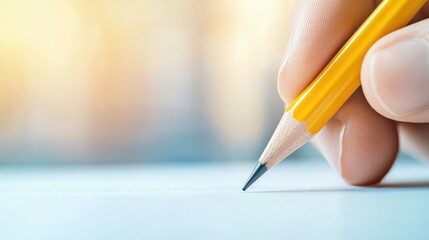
(139, 81)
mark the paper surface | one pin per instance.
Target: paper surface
(294, 200)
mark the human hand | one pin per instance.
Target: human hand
(361, 141)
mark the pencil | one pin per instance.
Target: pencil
(316, 105)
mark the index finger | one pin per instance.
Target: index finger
(318, 30)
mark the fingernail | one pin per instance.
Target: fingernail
(399, 76)
(329, 142)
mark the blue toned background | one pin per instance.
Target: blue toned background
(132, 81)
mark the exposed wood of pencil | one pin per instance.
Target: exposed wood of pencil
(288, 136)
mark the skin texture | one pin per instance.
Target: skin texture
(392, 106)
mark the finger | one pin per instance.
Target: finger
(358, 142)
(318, 30)
(395, 74)
(414, 139)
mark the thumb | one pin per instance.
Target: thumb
(395, 74)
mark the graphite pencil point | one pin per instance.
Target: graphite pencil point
(259, 170)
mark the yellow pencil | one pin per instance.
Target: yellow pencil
(313, 108)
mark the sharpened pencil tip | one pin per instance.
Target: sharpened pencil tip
(259, 170)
